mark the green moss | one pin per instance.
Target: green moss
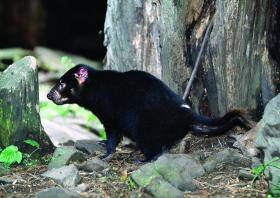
(6, 128)
(1, 111)
(145, 175)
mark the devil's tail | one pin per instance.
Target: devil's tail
(203, 125)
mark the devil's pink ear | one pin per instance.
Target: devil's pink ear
(81, 75)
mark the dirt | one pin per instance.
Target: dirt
(116, 183)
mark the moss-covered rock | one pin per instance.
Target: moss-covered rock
(4, 171)
(268, 141)
(64, 155)
(19, 105)
(225, 158)
(169, 176)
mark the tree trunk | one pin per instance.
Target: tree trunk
(163, 37)
(237, 57)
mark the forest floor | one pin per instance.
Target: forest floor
(115, 182)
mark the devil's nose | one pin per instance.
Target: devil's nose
(49, 96)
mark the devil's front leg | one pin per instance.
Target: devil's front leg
(113, 139)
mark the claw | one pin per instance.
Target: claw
(102, 142)
(107, 157)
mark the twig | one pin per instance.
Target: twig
(34, 176)
(186, 93)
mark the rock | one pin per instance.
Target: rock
(65, 154)
(179, 170)
(93, 165)
(246, 142)
(68, 143)
(4, 171)
(169, 175)
(198, 155)
(90, 146)
(154, 183)
(256, 162)
(268, 139)
(57, 193)
(19, 105)
(80, 188)
(136, 194)
(226, 157)
(7, 180)
(68, 176)
(245, 173)
(162, 189)
(50, 59)
(145, 174)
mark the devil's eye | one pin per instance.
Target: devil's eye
(62, 84)
(72, 91)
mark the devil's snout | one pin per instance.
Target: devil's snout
(49, 95)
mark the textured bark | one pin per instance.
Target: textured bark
(19, 105)
(132, 36)
(150, 35)
(237, 58)
(164, 37)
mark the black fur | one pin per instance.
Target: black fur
(137, 105)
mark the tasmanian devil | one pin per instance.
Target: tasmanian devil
(137, 105)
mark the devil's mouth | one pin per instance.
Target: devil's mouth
(60, 101)
(57, 98)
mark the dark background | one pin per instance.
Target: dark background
(68, 25)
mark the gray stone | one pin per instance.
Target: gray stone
(268, 139)
(19, 105)
(162, 189)
(198, 155)
(154, 183)
(145, 174)
(80, 188)
(256, 162)
(64, 155)
(57, 193)
(246, 143)
(169, 175)
(4, 171)
(68, 176)
(7, 179)
(179, 170)
(224, 158)
(90, 146)
(93, 165)
(137, 194)
(246, 174)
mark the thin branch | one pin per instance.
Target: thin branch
(187, 91)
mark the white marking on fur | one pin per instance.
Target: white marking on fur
(185, 106)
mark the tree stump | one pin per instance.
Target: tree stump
(19, 105)
(240, 66)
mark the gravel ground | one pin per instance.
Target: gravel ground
(116, 183)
